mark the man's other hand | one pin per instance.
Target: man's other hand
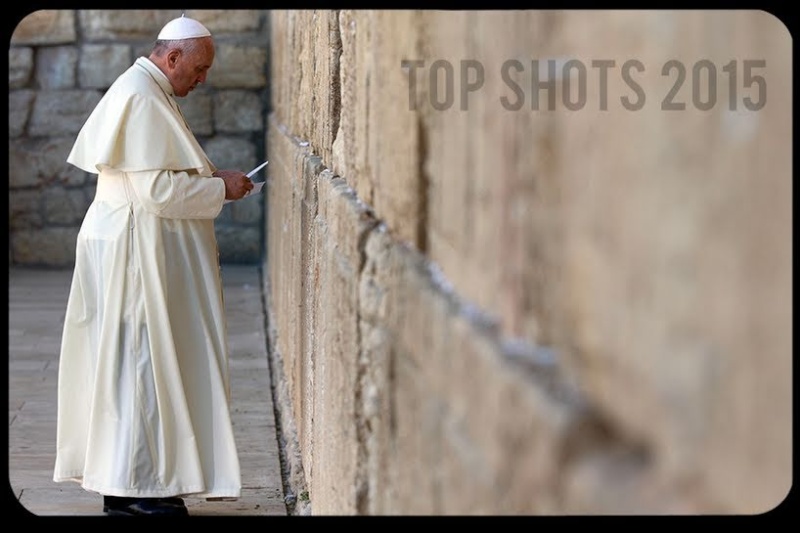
(237, 184)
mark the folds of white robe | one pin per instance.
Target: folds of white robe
(143, 392)
(138, 125)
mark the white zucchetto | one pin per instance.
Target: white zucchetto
(182, 28)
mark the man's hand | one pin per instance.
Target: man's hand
(237, 184)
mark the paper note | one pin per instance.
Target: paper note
(256, 189)
(256, 186)
(259, 167)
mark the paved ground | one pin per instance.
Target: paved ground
(37, 301)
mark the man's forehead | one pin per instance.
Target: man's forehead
(204, 54)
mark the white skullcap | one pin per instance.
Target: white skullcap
(183, 28)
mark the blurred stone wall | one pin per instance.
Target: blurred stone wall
(60, 64)
(490, 308)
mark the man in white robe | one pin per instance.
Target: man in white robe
(143, 389)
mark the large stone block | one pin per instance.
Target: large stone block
(351, 145)
(340, 227)
(56, 66)
(101, 64)
(231, 153)
(239, 66)
(305, 67)
(64, 207)
(695, 186)
(46, 247)
(24, 210)
(374, 104)
(197, 110)
(457, 426)
(20, 66)
(61, 112)
(238, 111)
(279, 73)
(20, 104)
(285, 270)
(238, 245)
(99, 24)
(225, 216)
(249, 210)
(45, 27)
(222, 22)
(41, 163)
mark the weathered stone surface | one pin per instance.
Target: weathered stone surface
(696, 195)
(24, 210)
(56, 66)
(305, 74)
(238, 111)
(20, 66)
(61, 112)
(574, 248)
(64, 206)
(249, 210)
(231, 153)
(53, 247)
(90, 186)
(225, 215)
(41, 163)
(19, 109)
(375, 98)
(238, 245)
(142, 49)
(238, 66)
(350, 147)
(98, 24)
(45, 26)
(197, 110)
(287, 163)
(222, 22)
(101, 64)
(338, 229)
(636, 245)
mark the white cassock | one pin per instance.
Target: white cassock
(143, 388)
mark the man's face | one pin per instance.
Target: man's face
(190, 68)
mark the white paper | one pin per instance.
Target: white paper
(256, 186)
(259, 167)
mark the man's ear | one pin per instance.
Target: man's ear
(172, 57)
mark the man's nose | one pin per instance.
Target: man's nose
(201, 78)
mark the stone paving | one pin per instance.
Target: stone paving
(37, 302)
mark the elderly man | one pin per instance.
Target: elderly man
(143, 390)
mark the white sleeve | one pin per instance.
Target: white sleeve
(171, 194)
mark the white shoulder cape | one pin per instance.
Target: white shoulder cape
(136, 112)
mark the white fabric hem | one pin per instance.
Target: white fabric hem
(194, 492)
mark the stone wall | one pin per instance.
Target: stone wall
(60, 64)
(499, 309)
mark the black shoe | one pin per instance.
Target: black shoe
(173, 501)
(118, 506)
